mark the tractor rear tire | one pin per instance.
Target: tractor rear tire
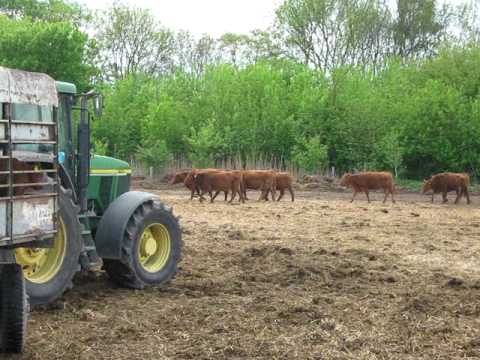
(150, 250)
(47, 282)
(13, 309)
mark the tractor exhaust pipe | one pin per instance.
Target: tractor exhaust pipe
(83, 168)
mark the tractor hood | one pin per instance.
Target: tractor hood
(105, 165)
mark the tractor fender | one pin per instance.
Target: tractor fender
(112, 225)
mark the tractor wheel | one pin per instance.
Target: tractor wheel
(151, 248)
(13, 309)
(49, 271)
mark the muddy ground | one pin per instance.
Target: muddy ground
(319, 278)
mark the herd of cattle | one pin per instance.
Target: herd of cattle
(214, 181)
(202, 181)
(441, 183)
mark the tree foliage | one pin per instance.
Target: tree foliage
(357, 84)
(131, 41)
(311, 155)
(413, 119)
(58, 49)
(47, 10)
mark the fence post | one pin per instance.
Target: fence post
(151, 172)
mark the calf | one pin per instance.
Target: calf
(179, 177)
(283, 182)
(185, 177)
(366, 181)
(445, 182)
(189, 181)
(219, 181)
(26, 178)
(263, 180)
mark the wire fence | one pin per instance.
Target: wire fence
(139, 169)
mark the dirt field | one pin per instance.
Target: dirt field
(319, 278)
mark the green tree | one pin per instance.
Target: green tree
(392, 151)
(331, 33)
(419, 27)
(127, 105)
(132, 41)
(154, 154)
(47, 10)
(58, 49)
(311, 155)
(204, 146)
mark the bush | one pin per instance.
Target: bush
(311, 155)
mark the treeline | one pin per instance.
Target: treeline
(414, 119)
(352, 84)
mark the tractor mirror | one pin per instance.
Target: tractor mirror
(98, 105)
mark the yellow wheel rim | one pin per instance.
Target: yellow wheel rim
(41, 265)
(154, 247)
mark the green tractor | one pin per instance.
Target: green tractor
(63, 209)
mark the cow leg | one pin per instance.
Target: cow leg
(201, 198)
(433, 194)
(444, 196)
(290, 189)
(262, 195)
(459, 195)
(240, 194)
(386, 196)
(273, 190)
(234, 194)
(282, 192)
(216, 194)
(266, 195)
(354, 194)
(226, 195)
(467, 195)
(368, 197)
(192, 190)
(393, 200)
(237, 189)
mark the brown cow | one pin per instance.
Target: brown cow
(263, 180)
(283, 181)
(20, 178)
(445, 182)
(189, 181)
(179, 177)
(219, 181)
(365, 181)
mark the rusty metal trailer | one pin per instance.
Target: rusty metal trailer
(29, 188)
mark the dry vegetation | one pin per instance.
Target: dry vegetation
(316, 279)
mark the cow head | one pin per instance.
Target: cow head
(427, 186)
(173, 180)
(190, 179)
(345, 180)
(179, 177)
